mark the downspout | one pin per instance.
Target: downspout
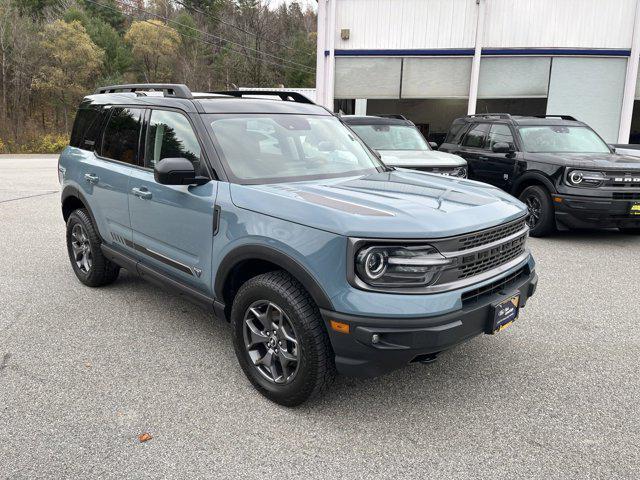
(477, 54)
(631, 78)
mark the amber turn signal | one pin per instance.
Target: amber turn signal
(339, 326)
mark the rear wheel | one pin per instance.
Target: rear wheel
(541, 219)
(279, 339)
(83, 244)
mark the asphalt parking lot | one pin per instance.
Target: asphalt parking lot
(84, 371)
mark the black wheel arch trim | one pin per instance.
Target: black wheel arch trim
(71, 191)
(535, 176)
(277, 257)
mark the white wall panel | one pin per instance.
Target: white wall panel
(559, 23)
(406, 24)
(590, 89)
(444, 77)
(514, 77)
(367, 77)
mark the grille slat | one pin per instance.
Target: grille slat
(491, 235)
(626, 195)
(494, 287)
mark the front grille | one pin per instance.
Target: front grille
(491, 235)
(494, 287)
(438, 170)
(492, 258)
(626, 195)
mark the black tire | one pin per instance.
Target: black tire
(630, 230)
(315, 366)
(542, 219)
(101, 271)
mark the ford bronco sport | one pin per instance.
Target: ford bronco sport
(565, 173)
(272, 214)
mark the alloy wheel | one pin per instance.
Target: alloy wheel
(535, 210)
(81, 248)
(271, 342)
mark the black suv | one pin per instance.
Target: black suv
(565, 173)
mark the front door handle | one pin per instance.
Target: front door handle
(91, 178)
(141, 192)
(483, 158)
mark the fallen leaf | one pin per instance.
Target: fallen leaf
(144, 437)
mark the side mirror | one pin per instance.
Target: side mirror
(177, 171)
(502, 147)
(433, 145)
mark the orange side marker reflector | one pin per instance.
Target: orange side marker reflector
(339, 326)
(557, 199)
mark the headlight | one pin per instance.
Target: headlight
(459, 172)
(399, 266)
(585, 178)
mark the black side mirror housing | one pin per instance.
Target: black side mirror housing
(502, 147)
(177, 171)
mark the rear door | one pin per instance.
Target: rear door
(472, 149)
(173, 225)
(105, 173)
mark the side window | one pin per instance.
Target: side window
(170, 136)
(122, 135)
(500, 134)
(86, 128)
(476, 136)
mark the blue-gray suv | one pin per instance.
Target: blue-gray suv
(269, 211)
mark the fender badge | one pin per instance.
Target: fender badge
(197, 271)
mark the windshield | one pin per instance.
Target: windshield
(264, 148)
(391, 137)
(561, 139)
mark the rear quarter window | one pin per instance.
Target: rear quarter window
(86, 128)
(456, 132)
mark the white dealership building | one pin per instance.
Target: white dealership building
(435, 60)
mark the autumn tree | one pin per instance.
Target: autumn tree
(72, 62)
(154, 45)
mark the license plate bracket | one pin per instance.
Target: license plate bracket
(504, 313)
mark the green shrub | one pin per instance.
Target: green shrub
(49, 143)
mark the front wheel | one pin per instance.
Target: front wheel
(280, 340)
(541, 218)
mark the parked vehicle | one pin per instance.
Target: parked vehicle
(565, 173)
(277, 218)
(400, 144)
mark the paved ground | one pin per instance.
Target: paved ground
(84, 371)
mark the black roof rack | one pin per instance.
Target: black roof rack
(505, 116)
(177, 90)
(392, 115)
(285, 96)
(563, 117)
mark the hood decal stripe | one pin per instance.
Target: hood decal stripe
(343, 205)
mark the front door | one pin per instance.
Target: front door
(173, 224)
(472, 149)
(498, 168)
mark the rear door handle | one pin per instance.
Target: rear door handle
(141, 192)
(91, 178)
(483, 158)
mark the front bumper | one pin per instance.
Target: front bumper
(573, 211)
(405, 340)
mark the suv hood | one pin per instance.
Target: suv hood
(421, 158)
(396, 204)
(598, 161)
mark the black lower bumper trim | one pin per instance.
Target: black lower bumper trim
(376, 346)
(589, 212)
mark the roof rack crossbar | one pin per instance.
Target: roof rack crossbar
(284, 95)
(177, 90)
(506, 116)
(563, 117)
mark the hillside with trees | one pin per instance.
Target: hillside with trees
(53, 52)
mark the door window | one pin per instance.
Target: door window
(476, 136)
(122, 135)
(500, 134)
(171, 136)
